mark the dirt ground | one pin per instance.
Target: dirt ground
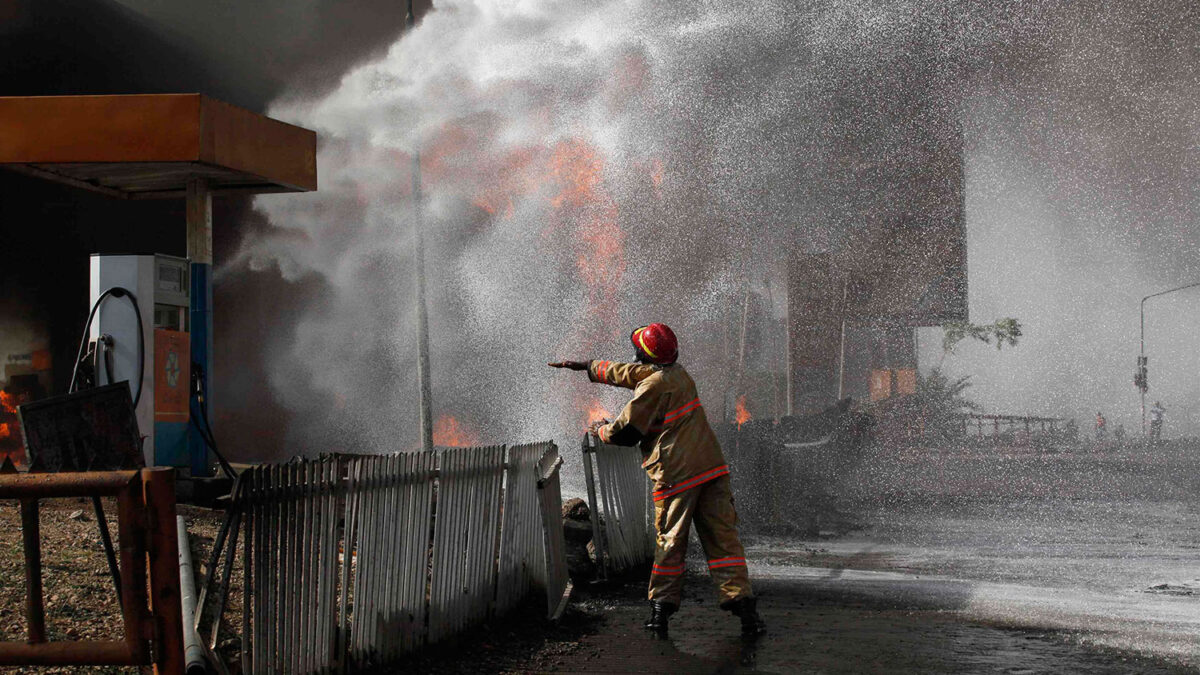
(80, 601)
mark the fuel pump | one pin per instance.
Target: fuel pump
(156, 362)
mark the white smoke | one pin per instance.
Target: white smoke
(691, 118)
(1082, 171)
(713, 130)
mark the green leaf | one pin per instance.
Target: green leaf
(1004, 331)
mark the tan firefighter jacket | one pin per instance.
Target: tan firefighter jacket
(665, 416)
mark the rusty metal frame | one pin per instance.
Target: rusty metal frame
(150, 601)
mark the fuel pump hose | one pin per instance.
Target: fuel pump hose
(97, 506)
(116, 292)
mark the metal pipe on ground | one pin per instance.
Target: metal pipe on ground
(193, 652)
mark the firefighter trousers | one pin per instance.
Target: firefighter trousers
(710, 507)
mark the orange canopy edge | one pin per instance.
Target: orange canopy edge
(143, 146)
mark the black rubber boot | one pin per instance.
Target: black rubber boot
(660, 614)
(747, 610)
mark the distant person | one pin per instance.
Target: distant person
(1101, 426)
(1070, 431)
(1157, 413)
(1119, 433)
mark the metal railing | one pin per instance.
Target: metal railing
(354, 561)
(622, 511)
(973, 424)
(149, 570)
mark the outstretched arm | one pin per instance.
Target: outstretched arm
(626, 375)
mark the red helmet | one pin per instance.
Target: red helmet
(655, 343)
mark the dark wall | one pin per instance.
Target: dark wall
(223, 49)
(48, 231)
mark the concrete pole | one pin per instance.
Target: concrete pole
(1141, 359)
(787, 323)
(423, 374)
(727, 359)
(739, 388)
(774, 350)
(742, 346)
(842, 348)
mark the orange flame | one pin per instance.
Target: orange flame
(449, 432)
(656, 176)
(512, 180)
(584, 207)
(743, 415)
(8, 404)
(9, 431)
(570, 176)
(596, 413)
(578, 169)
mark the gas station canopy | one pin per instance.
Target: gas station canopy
(147, 146)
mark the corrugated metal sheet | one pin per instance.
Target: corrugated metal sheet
(622, 512)
(553, 575)
(522, 551)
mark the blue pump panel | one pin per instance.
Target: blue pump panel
(202, 349)
(171, 444)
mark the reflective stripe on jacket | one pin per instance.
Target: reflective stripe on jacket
(667, 419)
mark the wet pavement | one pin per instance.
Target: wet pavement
(821, 621)
(819, 626)
(1102, 545)
(997, 561)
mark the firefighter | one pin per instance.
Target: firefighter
(690, 476)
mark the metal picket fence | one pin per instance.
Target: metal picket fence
(353, 561)
(622, 510)
(522, 549)
(291, 526)
(465, 538)
(388, 514)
